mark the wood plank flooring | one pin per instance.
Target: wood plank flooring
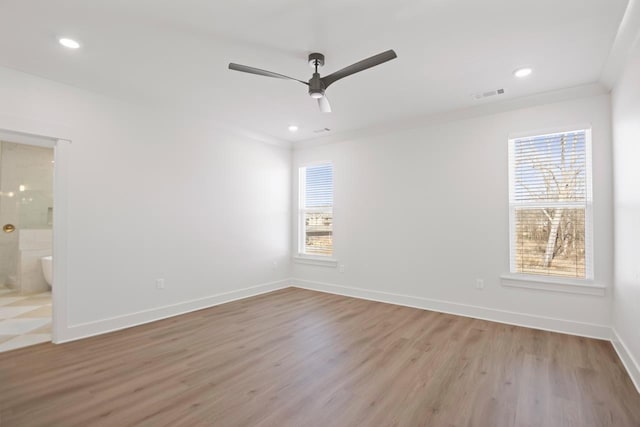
(301, 358)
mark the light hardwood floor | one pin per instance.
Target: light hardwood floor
(301, 358)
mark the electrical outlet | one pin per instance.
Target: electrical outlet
(480, 284)
(274, 265)
(159, 283)
(341, 268)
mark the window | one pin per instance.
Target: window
(316, 210)
(550, 205)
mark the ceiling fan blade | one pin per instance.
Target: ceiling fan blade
(258, 71)
(324, 105)
(359, 66)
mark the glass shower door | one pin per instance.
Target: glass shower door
(9, 224)
(26, 204)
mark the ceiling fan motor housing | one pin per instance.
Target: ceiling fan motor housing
(316, 87)
(316, 59)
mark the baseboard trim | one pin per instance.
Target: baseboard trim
(589, 330)
(99, 327)
(518, 319)
(630, 363)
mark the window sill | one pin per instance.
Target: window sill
(571, 286)
(309, 260)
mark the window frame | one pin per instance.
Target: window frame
(302, 256)
(553, 282)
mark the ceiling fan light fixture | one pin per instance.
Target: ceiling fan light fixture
(317, 85)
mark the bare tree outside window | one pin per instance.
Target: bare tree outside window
(549, 201)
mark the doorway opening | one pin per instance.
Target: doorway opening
(26, 240)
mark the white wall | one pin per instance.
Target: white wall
(626, 148)
(154, 195)
(421, 213)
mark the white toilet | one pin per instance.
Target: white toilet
(47, 269)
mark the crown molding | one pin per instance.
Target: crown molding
(627, 36)
(566, 94)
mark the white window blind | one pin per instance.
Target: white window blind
(551, 204)
(316, 210)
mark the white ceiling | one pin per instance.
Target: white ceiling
(176, 53)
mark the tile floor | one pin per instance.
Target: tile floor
(24, 319)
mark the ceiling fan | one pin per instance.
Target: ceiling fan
(318, 85)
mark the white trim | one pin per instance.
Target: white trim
(255, 136)
(542, 205)
(556, 284)
(589, 265)
(321, 210)
(35, 128)
(99, 327)
(302, 183)
(549, 131)
(589, 330)
(564, 326)
(485, 109)
(323, 262)
(630, 363)
(60, 287)
(24, 138)
(316, 163)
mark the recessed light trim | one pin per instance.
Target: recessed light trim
(69, 43)
(523, 72)
(293, 128)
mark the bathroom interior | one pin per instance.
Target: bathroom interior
(26, 245)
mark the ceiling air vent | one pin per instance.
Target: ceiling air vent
(323, 130)
(488, 94)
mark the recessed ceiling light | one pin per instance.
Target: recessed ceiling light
(70, 43)
(293, 128)
(522, 72)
